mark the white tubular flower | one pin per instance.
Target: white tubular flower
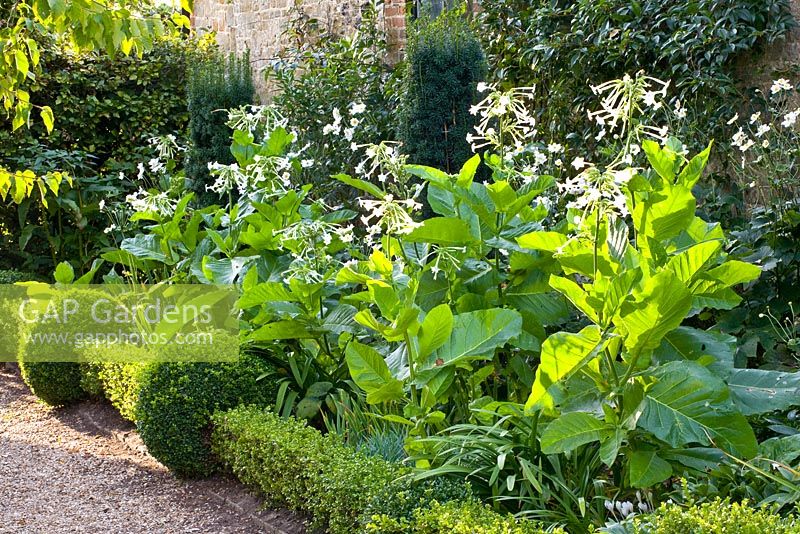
(620, 100)
(389, 214)
(504, 119)
(145, 201)
(357, 108)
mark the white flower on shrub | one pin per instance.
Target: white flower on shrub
(357, 108)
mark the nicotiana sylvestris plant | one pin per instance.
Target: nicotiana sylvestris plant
(635, 260)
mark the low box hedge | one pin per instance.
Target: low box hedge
(343, 490)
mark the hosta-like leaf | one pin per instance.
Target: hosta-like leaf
(691, 261)
(265, 292)
(281, 330)
(757, 391)
(694, 169)
(563, 354)
(646, 468)
(688, 405)
(570, 431)
(574, 293)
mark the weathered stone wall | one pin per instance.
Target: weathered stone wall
(258, 25)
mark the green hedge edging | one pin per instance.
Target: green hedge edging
(716, 517)
(298, 467)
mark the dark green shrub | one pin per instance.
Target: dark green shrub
(13, 276)
(176, 401)
(394, 507)
(445, 64)
(216, 84)
(104, 107)
(717, 517)
(294, 465)
(321, 70)
(55, 383)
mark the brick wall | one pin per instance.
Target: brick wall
(258, 25)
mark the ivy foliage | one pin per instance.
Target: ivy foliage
(563, 47)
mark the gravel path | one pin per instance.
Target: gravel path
(83, 470)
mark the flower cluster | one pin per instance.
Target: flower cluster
(393, 216)
(347, 128)
(150, 202)
(596, 190)
(504, 120)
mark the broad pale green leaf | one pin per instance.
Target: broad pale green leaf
(389, 392)
(570, 431)
(265, 292)
(367, 367)
(663, 304)
(575, 294)
(467, 173)
(546, 241)
(686, 343)
(563, 354)
(647, 469)
(435, 330)
(476, 335)
(430, 174)
(47, 118)
(694, 169)
(443, 231)
(663, 161)
(734, 272)
(64, 273)
(145, 247)
(665, 213)
(281, 330)
(758, 391)
(690, 405)
(688, 263)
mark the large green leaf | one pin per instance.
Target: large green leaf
(663, 304)
(574, 293)
(688, 404)
(758, 391)
(367, 367)
(443, 231)
(435, 330)
(281, 330)
(362, 185)
(663, 160)
(476, 335)
(563, 354)
(546, 241)
(694, 169)
(647, 469)
(265, 292)
(686, 343)
(691, 261)
(570, 431)
(664, 214)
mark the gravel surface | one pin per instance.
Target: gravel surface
(83, 470)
